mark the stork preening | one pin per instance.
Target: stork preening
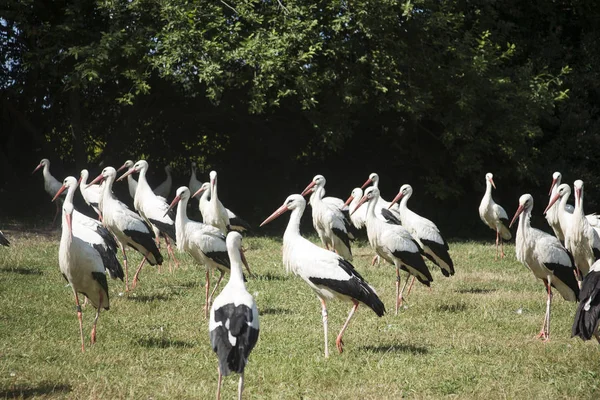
(328, 274)
(494, 216)
(3, 240)
(152, 208)
(233, 326)
(202, 241)
(425, 232)
(91, 193)
(395, 244)
(87, 250)
(51, 184)
(546, 257)
(328, 220)
(128, 227)
(131, 182)
(588, 310)
(164, 189)
(194, 184)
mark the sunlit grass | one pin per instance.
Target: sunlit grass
(471, 336)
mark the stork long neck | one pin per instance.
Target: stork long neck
(293, 227)
(47, 175)
(563, 202)
(524, 221)
(404, 203)
(181, 217)
(214, 198)
(579, 204)
(237, 277)
(107, 188)
(488, 189)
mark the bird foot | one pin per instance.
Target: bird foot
(339, 343)
(542, 335)
(94, 335)
(375, 259)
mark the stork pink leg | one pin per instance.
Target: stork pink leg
(219, 382)
(137, 273)
(497, 242)
(324, 314)
(215, 288)
(338, 342)
(171, 254)
(397, 288)
(126, 270)
(400, 296)
(411, 285)
(96, 319)
(548, 309)
(207, 289)
(79, 317)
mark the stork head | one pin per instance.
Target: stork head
(578, 188)
(204, 188)
(183, 193)
(373, 178)
(68, 183)
(556, 178)
(317, 181)
(372, 193)
(563, 190)
(525, 205)
(405, 191)
(44, 163)
(234, 243)
(293, 201)
(489, 177)
(106, 174)
(141, 165)
(84, 175)
(128, 164)
(357, 193)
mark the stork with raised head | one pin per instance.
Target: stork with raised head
(494, 216)
(3, 240)
(328, 220)
(128, 227)
(51, 184)
(91, 193)
(195, 184)
(233, 327)
(358, 215)
(164, 189)
(580, 238)
(205, 243)
(328, 274)
(153, 208)
(394, 244)
(131, 182)
(425, 232)
(588, 310)
(84, 257)
(546, 257)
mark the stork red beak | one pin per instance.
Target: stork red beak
(126, 174)
(577, 196)
(367, 183)
(552, 186)
(62, 189)
(396, 199)
(276, 214)
(79, 180)
(244, 261)
(122, 167)
(349, 201)
(307, 190)
(551, 203)
(362, 201)
(99, 178)
(492, 182)
(36, 168)
(519, 211)
(198, 192)
(176, 200)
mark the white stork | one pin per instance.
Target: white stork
(131, 182)
(3, 240)
(152, 207)
(128, 227)
(164, 189)
(91, 193)
(328, 220)
(588, 311)
(546, 257)
(234, 326)
(395, 244)
(425, 232)
(580, 238)
(328, 274)
(194, 184)
(358, 215)
(493, 215)
(374, 179)
(51, 184)
(84, 256)
(202, 241)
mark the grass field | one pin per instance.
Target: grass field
(471, 336)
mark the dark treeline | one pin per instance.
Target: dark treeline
(269, 93)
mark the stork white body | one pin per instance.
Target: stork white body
(546, 257)
(425, 232)
(51, 184)
(234, 324)
(328, 274)
(91, 193)
(588, 310)
(164, 189)
(494, 216)
(394, 244)
(358, 215)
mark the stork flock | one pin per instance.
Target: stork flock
(88, 249)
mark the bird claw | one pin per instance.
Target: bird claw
(542, 335)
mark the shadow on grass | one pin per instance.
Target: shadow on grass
(274, 311)
(454, 308)
(147, 298)
(162, 343)
(396, 348)
(26, 392)
(21, 271)
(268, 277)
(476, 290)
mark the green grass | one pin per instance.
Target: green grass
(464, 338)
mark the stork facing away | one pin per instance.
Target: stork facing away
(164, 189)
(394, 244)
(233, 326)
(131, 182)
(546, 257)
(425, 232)
(328, 220)
(90, 192)
(202, 241)
(588, 310)
(87, 250)
(51, 184)
(493, 215)
(128, 227)
(328, 274)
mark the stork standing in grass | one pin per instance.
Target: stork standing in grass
(128, 227)
(546, 257)
(233, 326)
(395, 244)
(328, 274)
(588, 311)
(493, 215)
(84, 256)
(91, 193)
(51, 184)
